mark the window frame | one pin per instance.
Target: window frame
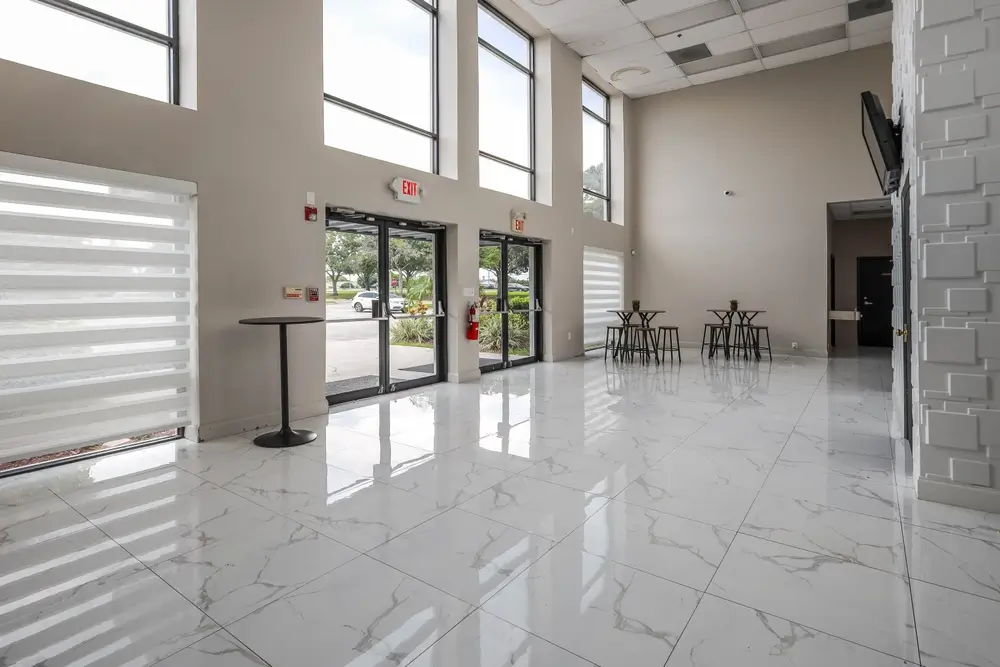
(607, 146)
(606, 122)
(429, 6)
(171, 40)
(530, 72)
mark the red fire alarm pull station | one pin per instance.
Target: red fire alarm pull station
(312, 213)
(312, 294)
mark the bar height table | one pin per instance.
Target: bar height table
(286, 436)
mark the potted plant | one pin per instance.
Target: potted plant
(635, 304)
(734, 305)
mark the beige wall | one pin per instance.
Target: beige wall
(254, 146)
(853, 239)
(786, 142)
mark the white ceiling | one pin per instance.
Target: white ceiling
(635, 44)
(862, 209)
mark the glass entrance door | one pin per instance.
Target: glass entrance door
(385, 327)
(510, 301)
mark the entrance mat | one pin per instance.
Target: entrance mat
(426, 368)
(351, 384)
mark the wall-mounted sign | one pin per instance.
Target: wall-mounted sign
(312, 294)
(406, 190)
(293, 292)
(517, 221)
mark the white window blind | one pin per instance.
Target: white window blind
(97, 308)
(603, 289)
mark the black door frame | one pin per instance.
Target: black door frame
(502, 307)
(905, 274)
(860, 296)
(383, 225)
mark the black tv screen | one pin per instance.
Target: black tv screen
(880, 138)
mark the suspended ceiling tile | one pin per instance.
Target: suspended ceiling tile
(800, 25)
(803, 41)
(645, 10)
(726, 72)
(653, 78)
(702, 33)
(873, 23)
(811, 53)
(719, 61)
(870, 39)
(657, 88)
(610, 41)
(787, 10)
(729, 44)
(713, 11)
(646, 54)
(601, 22)
(552, 14)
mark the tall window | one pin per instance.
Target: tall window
(506, 106)
(131, 45)
(380, 79)
(596, 152)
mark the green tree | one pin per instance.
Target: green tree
(409, 258)
(518, 260)
(341, 253)
(593, 180)
(366, 262)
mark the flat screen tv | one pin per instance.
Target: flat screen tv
(882, 139)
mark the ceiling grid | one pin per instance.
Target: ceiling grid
(646, 47)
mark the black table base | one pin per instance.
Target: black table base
(286, 436)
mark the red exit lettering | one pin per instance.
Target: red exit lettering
(410, 188)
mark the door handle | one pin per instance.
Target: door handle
(903, 333)
(868, 303)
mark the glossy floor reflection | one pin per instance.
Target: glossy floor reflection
(561, 515)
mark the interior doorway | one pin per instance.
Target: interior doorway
(385, 305)
(510, 301)
(875, 301)
(904, 331)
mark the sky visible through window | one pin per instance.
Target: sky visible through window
(40, 36)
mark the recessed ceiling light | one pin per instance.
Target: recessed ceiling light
(600, 42)
(544, 3)
(629, 72)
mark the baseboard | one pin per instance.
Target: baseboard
(961, 495)
(269, 420)
(776, 352)
(471, 375)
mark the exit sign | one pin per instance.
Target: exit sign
(406, 190)
(517, 222)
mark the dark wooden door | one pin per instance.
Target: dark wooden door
(875, 301)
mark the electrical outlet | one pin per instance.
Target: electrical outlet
(569, 335)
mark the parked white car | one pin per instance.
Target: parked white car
(362, 301)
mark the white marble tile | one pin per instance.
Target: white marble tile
(955, 629)
(860, 604)
(463, 554)
(218, 650)
(231, 578)
(359, 513)
(608, 613)
(681, 550)
(709, 499)
(627, 447)
(221, 461)
(859, 538)
(363, 613)
(963, 563)
(558, 432)
(950, 519)
(802, 451)
(723, 634)
(816, 485)
(534, 506)
(135, 620)
(483, 640)
(29, 519)
(447, 481)
(741, 467)
(585, 472)
(849, 438)
(503, 453)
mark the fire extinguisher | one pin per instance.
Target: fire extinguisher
(472, 332)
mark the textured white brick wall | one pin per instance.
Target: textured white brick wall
(946, 79)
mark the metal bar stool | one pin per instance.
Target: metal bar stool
(613, 339)
(643, 341)
(755, 331)
(718, 336)
(670, 336)
(742, 340)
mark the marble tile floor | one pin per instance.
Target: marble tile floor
(708, 514)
